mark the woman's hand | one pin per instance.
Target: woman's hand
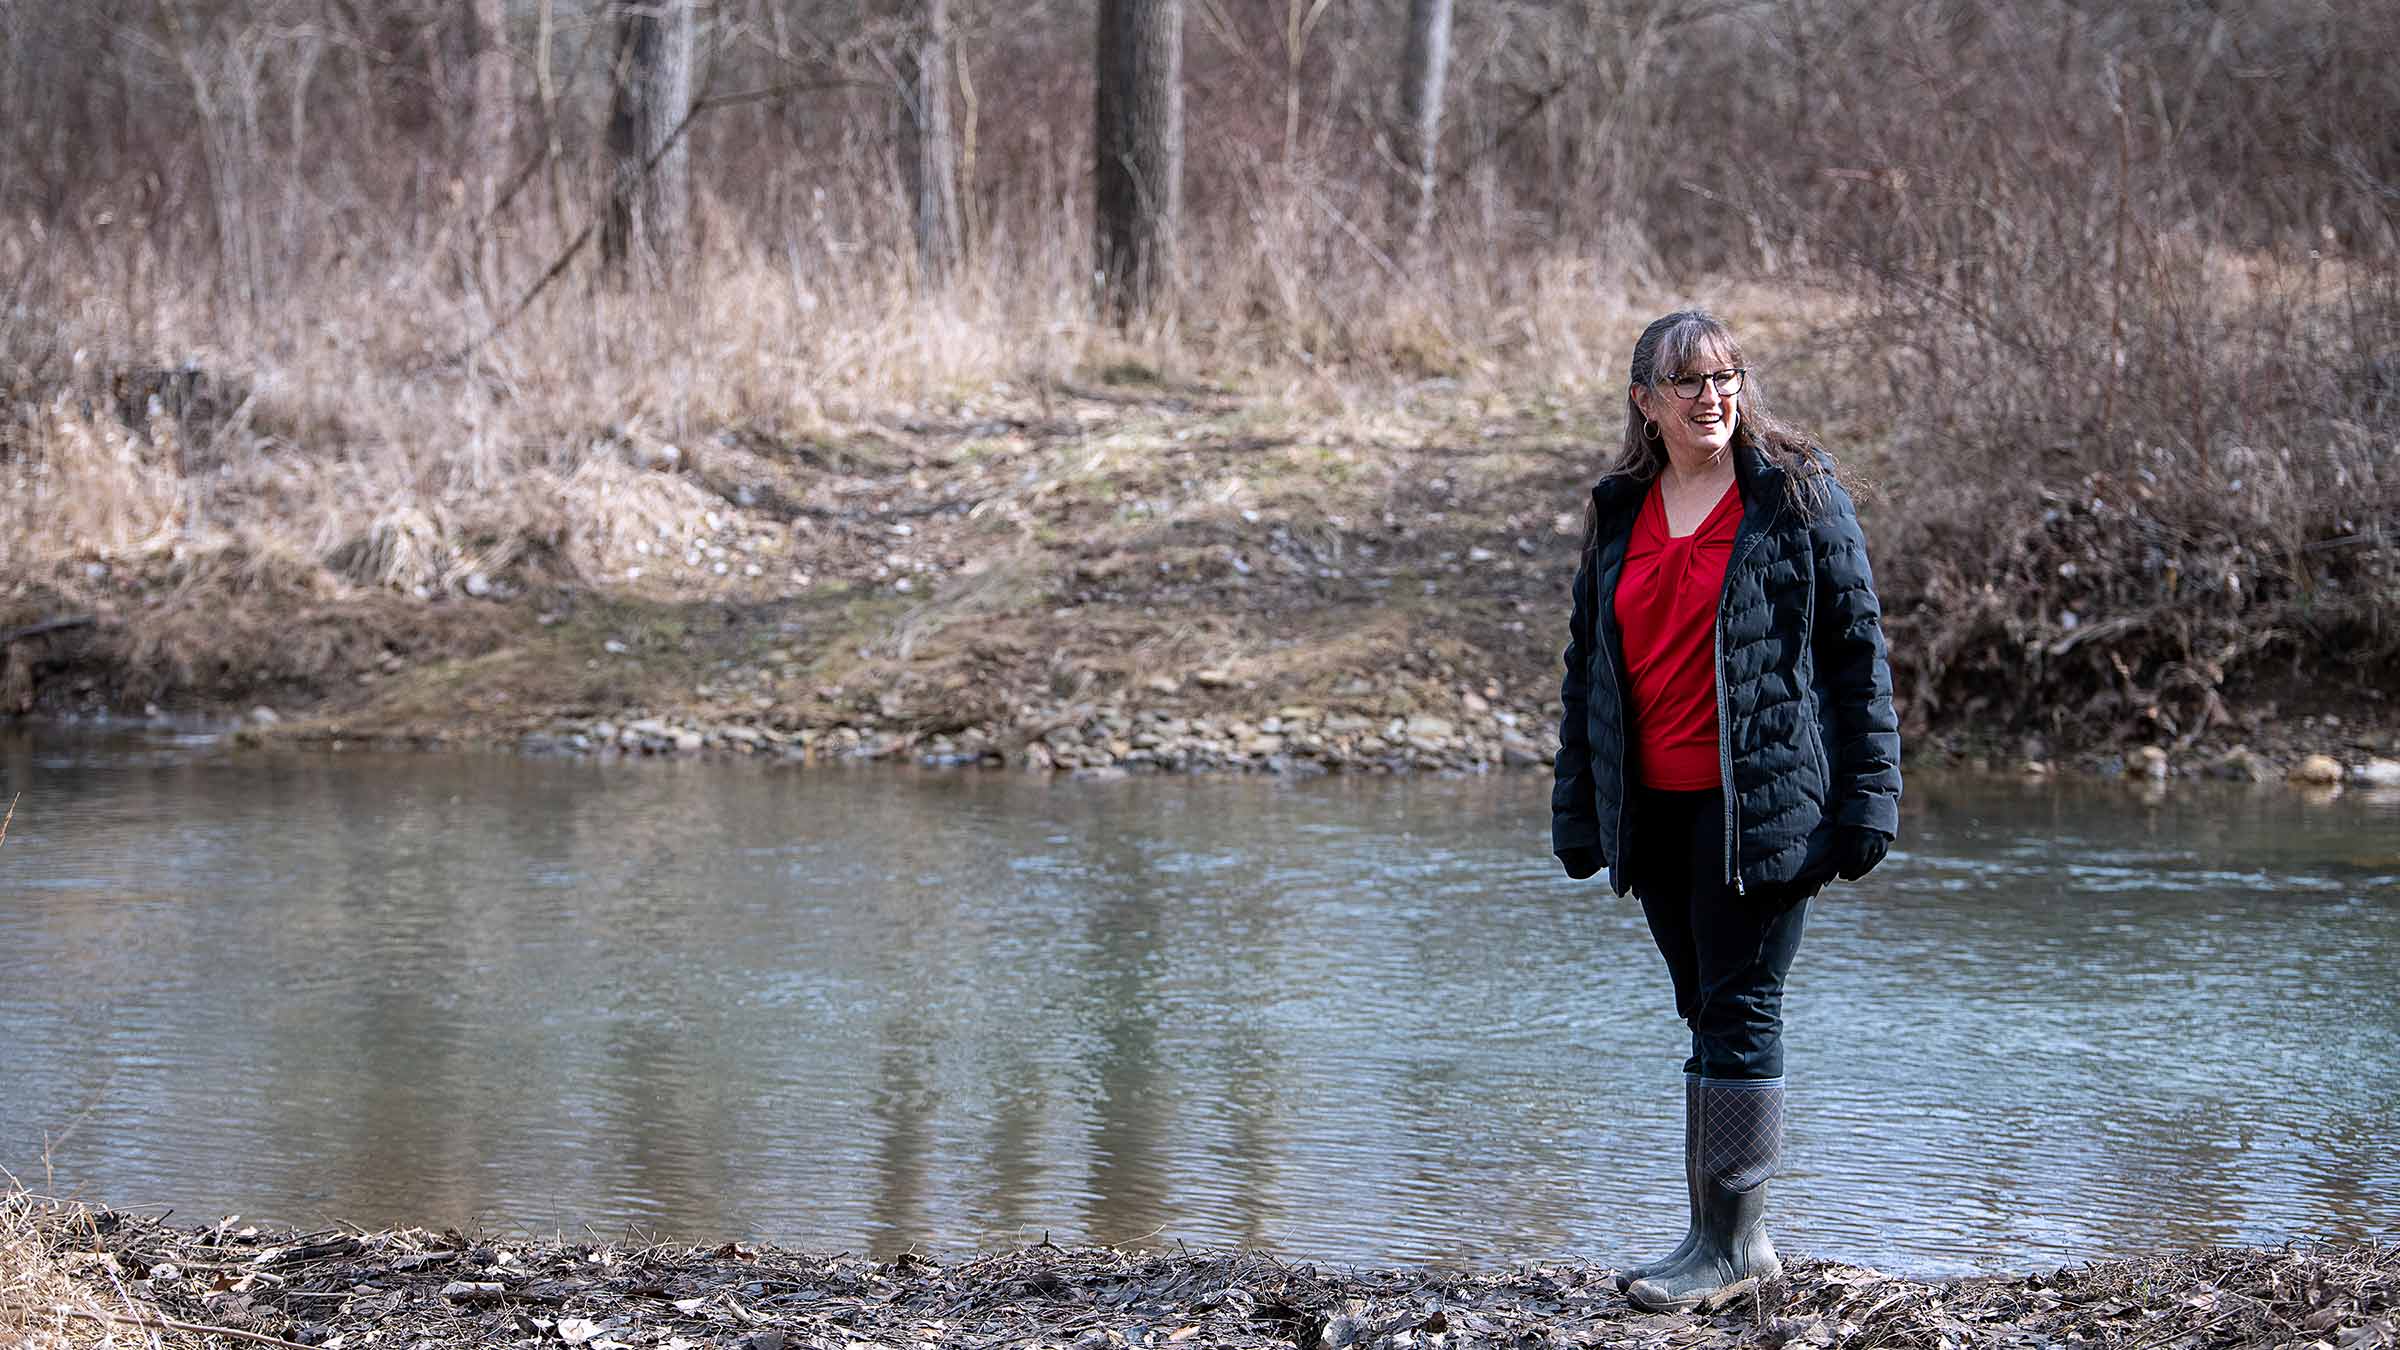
(1581, 862)
(1856, 850)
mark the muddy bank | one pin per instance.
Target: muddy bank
(85, 1271)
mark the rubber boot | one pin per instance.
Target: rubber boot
(1691, 1191)
(1741, 1141)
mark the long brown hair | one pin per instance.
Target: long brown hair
(1666, 349)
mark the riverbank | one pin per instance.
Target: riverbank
(78, 1276)
(1115, 573)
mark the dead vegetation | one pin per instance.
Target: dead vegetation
(2100, 302)
(77, 1276)
(49, 1300)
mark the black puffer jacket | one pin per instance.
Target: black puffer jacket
(1805, 730)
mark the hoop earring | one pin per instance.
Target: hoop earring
(1649, 431)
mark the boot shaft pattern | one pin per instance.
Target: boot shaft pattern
(1741, 1131)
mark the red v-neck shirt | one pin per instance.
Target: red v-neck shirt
(1667, 608)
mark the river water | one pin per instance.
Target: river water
(1354, 1019)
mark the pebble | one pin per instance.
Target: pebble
(1112, 739)
(1106, 742)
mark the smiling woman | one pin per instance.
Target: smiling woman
(1728, 747)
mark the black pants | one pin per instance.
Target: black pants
(1728, 953)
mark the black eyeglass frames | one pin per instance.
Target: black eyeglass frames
(1728, 382)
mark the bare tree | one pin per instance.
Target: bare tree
(223, 68)
(1137, 138)
(1424, 66)
(493, 111)
(931, 154)
(1299, 21)
(650, 190)
(545, 87)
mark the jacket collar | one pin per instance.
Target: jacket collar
(1762, 483)
(1761, 480)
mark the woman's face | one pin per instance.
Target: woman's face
(1698, 429)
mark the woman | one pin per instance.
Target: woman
(1728, 747)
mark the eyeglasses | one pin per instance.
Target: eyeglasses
(1728, 382)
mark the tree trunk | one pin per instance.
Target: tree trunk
(931, 153)
(227, 67)
(649, 199)
(493, 111)
(1138, 146)
(545, 88)
(1299, 20)
(1424, 66)
(490, 118)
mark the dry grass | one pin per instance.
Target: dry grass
(596, 439)
(368, 449)
(49, 1300)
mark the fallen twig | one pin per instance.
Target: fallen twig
(12, 815)
(33, 630)
(171, 1324)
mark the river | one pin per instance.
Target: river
(1358, 1019)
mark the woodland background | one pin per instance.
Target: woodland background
(366, 310)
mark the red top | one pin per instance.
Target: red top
(1667, 607)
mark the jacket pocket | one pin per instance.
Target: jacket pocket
(1820, 784)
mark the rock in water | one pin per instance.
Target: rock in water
(2319, 770)
(2377, 773)
(2245, 765)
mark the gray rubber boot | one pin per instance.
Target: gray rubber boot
(1741, 1141)
(1691, 1191)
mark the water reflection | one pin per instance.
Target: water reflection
(1359, 1020)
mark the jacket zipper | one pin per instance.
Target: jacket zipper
(1600, 621)
(1733, 822)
